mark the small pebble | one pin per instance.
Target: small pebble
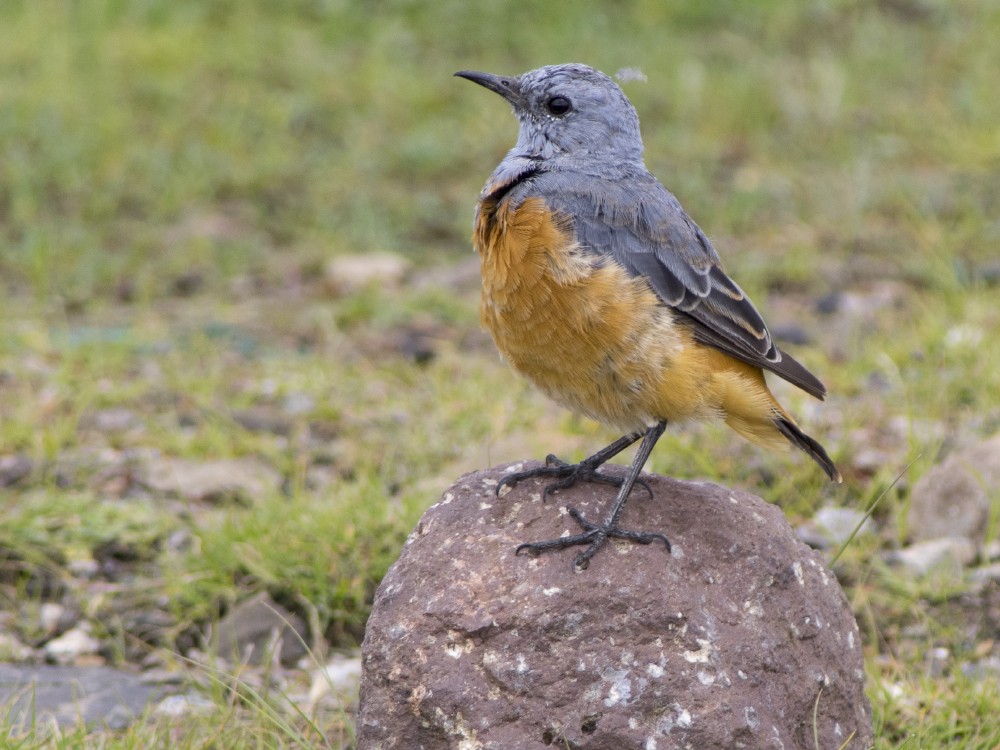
(71, 645)
(946, 553)
(50, 614)
(179, 706)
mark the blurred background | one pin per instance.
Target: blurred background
(239, 348)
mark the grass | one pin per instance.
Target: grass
(175, 176)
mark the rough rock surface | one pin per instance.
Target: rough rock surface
(728, 642)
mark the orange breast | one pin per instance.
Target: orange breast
(589, 335)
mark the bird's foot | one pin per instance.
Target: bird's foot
(567, 475)
(594, 536)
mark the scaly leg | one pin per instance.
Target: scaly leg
(596, 535)
(570, 474)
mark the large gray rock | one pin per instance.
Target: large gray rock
(257, 630)
(36, 695)
(730, 641)
(953, 498)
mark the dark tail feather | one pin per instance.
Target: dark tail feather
(786, 367)
(795, 372)
(800, 440)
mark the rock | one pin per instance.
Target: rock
(68, 695)
(863, 305)
(860, 312)
(791, 333)
(953, 498)
(227, 225)
(948, 555)
(115, 420)
(180, 541)
(936, 661)
(869, 460)
(145, 619)
(51, 618)
(298, 404)
(12, 649)
(83, 567)
(341, 673)
(71, 645)
(264, 419)
(984, 669)
(14, 468)
(348, 274)
(991, 551)
(832, 526)
(36, 575)
(989, 273)
(182, 706)
(729, 641)
(340, 676)
(242, 479)
(461, 277)
(964, 336)
(986, 574)
(417, 341)
(75, 467)
(257, 629)
(188, 283)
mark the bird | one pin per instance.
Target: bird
(599, 289)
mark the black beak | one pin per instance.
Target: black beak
(503, 85)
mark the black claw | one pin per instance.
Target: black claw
(640, 537)
(593, 535)
(561, 543)
(645, 486)
(578, 517)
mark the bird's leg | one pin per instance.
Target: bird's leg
(595, 535)
(570, 474)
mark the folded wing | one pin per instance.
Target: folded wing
(641, 225)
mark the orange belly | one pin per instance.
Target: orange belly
(598, 340)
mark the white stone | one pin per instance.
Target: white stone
(72, 644)
(348, 274)
(946, 554)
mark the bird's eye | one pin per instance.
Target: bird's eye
(558, 106)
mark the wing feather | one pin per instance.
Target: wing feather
(642, 226)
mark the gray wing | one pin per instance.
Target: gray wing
(642, 226)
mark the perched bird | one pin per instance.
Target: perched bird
(600, 290)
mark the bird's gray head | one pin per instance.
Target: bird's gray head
(570, 114)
